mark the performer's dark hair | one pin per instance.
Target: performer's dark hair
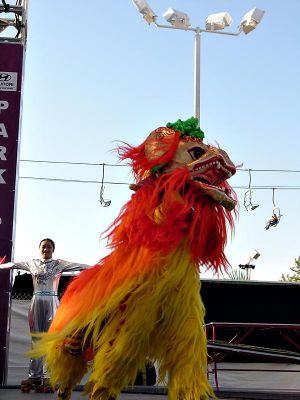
(49, 240)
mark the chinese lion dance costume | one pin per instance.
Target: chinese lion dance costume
(142, 302)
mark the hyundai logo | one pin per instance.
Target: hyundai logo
(5, 77)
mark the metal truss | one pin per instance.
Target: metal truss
(13, 20)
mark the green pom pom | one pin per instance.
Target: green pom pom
(156, 168)
(188, 128)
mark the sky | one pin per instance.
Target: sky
(99, 74)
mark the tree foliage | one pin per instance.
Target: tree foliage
(296, 276)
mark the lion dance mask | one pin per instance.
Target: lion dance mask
(142, 302)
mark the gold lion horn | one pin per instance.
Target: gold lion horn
(159, 143)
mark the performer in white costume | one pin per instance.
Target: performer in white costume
(46, 273)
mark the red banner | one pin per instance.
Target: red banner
(11, 70)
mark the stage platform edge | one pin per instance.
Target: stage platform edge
(152, 392)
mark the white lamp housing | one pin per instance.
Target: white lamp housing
(254, 254)
(177, 18)
(216, 22)
(251, 19)
(250, 256)
(145, 10)
(4, 23)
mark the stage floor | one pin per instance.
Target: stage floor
(9, 393)
(13, 394)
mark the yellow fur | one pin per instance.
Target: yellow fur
(162, 321)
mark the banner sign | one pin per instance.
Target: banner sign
(11, 70)
(11, 61)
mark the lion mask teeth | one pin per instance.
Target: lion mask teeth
(209, 167)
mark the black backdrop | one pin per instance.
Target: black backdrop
(232, 301)
(250, 301)
(227, 301)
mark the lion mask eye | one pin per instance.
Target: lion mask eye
(196, 152)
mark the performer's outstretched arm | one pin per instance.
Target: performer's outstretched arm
(71, 266)
(23, 265)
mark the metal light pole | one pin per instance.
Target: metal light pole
(197, 76)
(214, 24)
(197, 57)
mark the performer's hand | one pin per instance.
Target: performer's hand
(2, 260)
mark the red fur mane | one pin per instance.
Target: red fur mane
(196, 219)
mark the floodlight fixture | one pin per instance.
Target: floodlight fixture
(177, 18)
(251, 19)
(248, 265)
(5, 23)
(145, 10)
(254, 254)
(219, 21)
(215, 23)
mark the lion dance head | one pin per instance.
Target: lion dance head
(185, 182)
